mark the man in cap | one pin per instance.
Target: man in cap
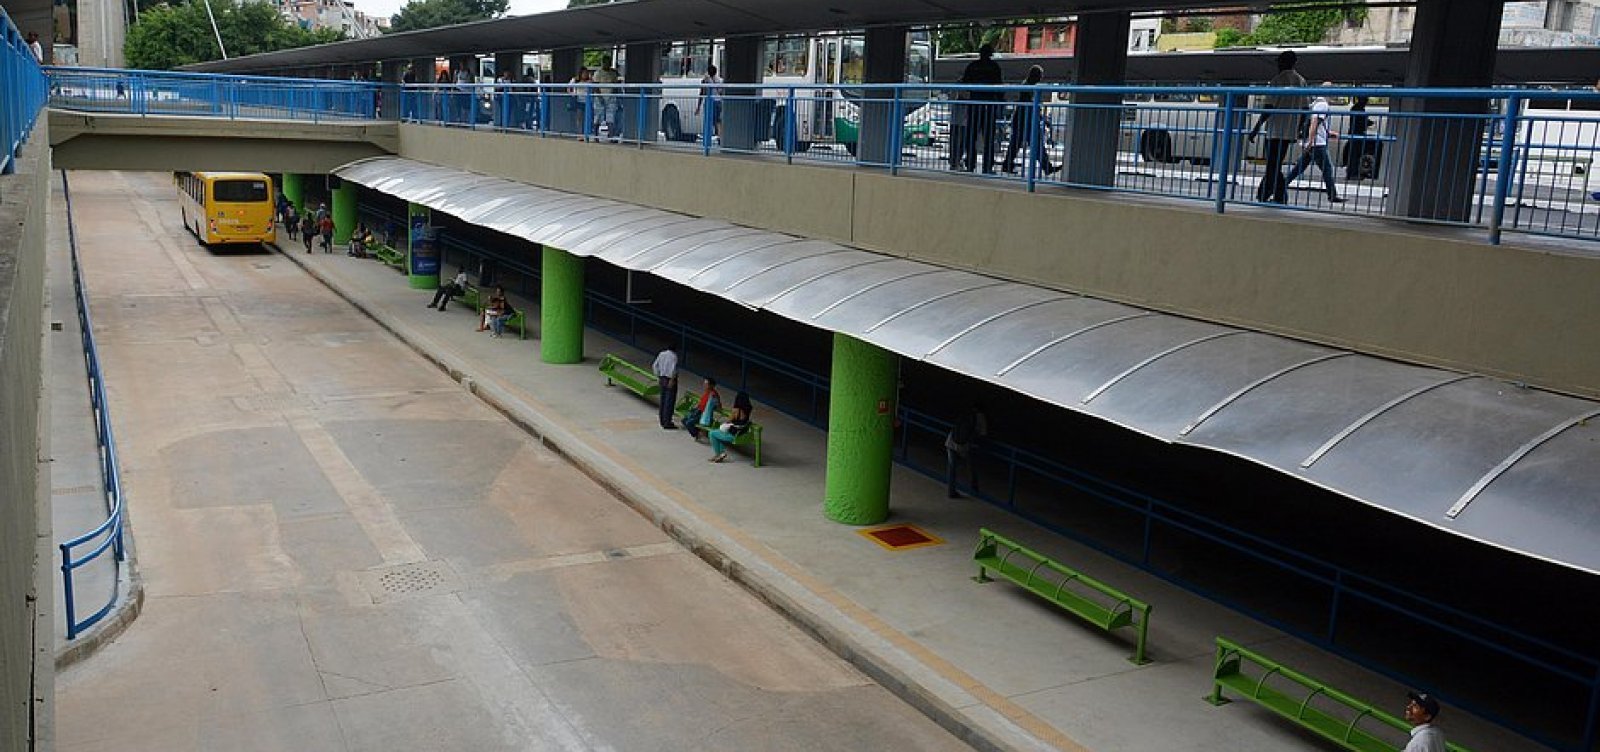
(1421, 709)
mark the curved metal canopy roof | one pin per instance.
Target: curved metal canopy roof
(1510, 466)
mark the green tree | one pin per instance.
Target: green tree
(965, 40)
(428, 14)
(1307, 26)
(168, 36)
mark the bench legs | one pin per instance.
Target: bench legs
(982, 577)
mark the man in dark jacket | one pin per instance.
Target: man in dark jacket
(981, 117)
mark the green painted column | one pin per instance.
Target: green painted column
(344, 212)
(294, 189)
(860, 432)
(422, 248)
(561, 307)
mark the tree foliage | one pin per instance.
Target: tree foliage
(168, 36)
(965, 40)
(428, 14)
(1294, 27)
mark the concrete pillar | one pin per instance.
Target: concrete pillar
(422, 249)
(743, 124)
(389, 73)
(1430, 167)
(885, 64)
(643, 67)
(561, 307)
(294, 189)
(423, 66)
(344, 211)
(860, 432)
(565, 112)
(1101, 51)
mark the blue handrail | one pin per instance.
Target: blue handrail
(22, 92)
(108, 534)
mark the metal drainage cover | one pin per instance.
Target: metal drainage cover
(410, 580)
(274, 402)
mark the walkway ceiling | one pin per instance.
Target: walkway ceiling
(668, 20)
(1506, 465)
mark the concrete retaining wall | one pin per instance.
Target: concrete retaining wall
(26, 659)
(1431, 296)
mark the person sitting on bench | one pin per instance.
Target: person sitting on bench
(738, 423)
(448, 290)
(497, 304)
(701, 417)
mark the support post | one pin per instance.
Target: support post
(561, 307)
(294, 189)
(643, 67)
(860, 432)
(742, 125)
(344, 211)
(422, 248)
(1094, 125)
(389, 74)
(565, 110)
(1430, 167)
(881, 119)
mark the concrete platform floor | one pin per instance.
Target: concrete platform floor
(299, 464)
(343, 549)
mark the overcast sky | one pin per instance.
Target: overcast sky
(386, 8)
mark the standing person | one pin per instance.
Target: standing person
(291, 222)
(1356, 147)
(1314, 147)
(325, 225)
(308, 229)
(1283, 127)
(448, 290)
(408, 97)
(738, 422)
(1030, 129)
(666, 371)
(699, 419)
(981, 125)
(605, 112)
(960, 131)
(34, 46)
(1421, 709)
(959, 446)
(529, 98)
(711, 97)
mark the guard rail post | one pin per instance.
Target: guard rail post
(707, 123)
(896, 132)
(789, 129)
(1035, 146)
(644, 101)
(1502, 188)
(1220, 166)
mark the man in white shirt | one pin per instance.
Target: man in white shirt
(666, 371)
(35, 47)
(1314, 147)
(449, 290)
(1281, 119)
(1421, 709)
(606, 105)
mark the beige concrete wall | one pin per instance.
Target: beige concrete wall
(1378, 287)
(125, 142)
(25, 657)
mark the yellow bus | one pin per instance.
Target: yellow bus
(227, 207)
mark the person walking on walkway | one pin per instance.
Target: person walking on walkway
(325, 225)
(291, 222)
(448, 290)
(666, 371)
(959, 446)
(981, 117)
(1282, 121)
(1028, 126)
(738, 422)
(711, 99)
(1421, 709)
(1314, 147)
(308, 229)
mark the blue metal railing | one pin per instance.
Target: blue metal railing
(108, 534)
(136, 92)
(22, 92)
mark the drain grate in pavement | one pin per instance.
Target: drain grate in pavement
(68, 490)
(410, 581)
(274, 402)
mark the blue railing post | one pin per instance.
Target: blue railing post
(789, 134)
(708, 126)
(644, 103)
(1035, 146)
(897, 129)
(544, 110)
(1222, 165)
(66, 591)
(1502, 188)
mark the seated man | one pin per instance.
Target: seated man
(455, 287)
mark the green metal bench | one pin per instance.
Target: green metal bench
(389, 256)
(1011, 560)
(474, 297)
(633, 378)
(471, 297)
(1337, 718)
(750, 438)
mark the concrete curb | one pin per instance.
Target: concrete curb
(937, 696)
(130, 605)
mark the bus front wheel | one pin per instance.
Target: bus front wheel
(1156, 146)
(671, 124)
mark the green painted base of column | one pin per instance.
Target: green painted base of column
(344, 212)
(860, 432)
(294, 189)
(561, 307)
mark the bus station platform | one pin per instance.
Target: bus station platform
(999, 667)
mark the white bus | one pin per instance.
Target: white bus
(826, 114)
